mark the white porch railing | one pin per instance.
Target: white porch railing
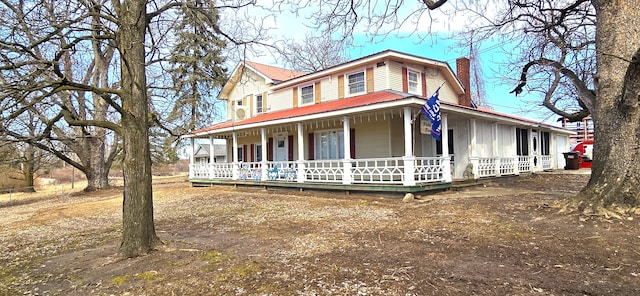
(487, 166)
(524, 163)
(429, 169)
(250, 171)
(199, 171)
(378, 170)
(392, 170)
(282, 171)
(324, 170)
(497, 166)
(546, 161)
(508, 166)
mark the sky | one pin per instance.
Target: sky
(441, 47)
(437, 45)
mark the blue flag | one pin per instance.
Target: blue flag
(431, 110)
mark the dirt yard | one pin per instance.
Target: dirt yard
(504, 238)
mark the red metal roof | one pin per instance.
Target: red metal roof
(358, 101)
(275, 73)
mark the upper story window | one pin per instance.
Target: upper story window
(239, 102)
(306, 95)
(412, 78)
(356, 83)
(259, 105)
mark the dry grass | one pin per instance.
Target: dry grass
(503, 239)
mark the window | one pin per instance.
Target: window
(258, 152)
(546, 141)
(306, 94)
(329, 145)
(240, 154)
(449, 144)
(412, 78)
(356, 83)
(239, 102)
(522, 141)
(259, 108)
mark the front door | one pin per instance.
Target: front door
(281, 149)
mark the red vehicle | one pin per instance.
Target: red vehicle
(586, 152)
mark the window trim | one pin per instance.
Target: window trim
(318, 144)
(348, 85)
(418, 85)
(240, 149)
(261, 110)
(257, 147)
(313, 95)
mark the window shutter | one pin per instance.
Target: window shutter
(311, 145)
(253, 153)
(244, 152)
(352, 142)
(264, 101)
(316, 88)
(424, 84)
(270, 149)
(341, 87)
(405, 80)
(295, 97)
(369, 80)
(290, 148)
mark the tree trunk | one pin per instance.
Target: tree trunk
(138, 233)
(97, 172)
(615, 176)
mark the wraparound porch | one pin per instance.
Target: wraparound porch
(400, 174)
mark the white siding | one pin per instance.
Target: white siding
(372, 138)
(329, 89)
(280, 100)
(506, 140)
(250, 84)
(379, 78)
(395, 75)
(484, 139)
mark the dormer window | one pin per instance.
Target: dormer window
(306, 95)
(356, 83)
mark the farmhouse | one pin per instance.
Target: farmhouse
(359, 126)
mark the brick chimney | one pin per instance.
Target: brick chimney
(462, 70)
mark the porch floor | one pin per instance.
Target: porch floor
(324, 186)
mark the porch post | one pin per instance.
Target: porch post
(409, 160)
(346, 162)
(444, 139)
(494, 148)
(473, 159)
(234, 153)
(264, 165)
(191, 156)
(212, 158)
(301, 175)
(516, 170)
(532, 155)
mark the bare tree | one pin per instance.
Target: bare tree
(583, 55)
(48, 54)
(314, 53)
